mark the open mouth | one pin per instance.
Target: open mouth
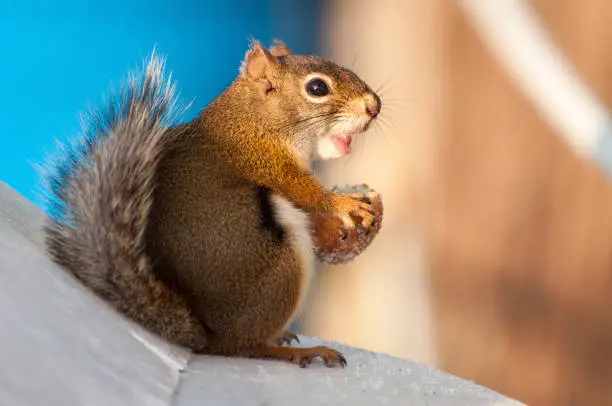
(343, 142)
(337, 143)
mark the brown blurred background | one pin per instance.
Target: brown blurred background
(494, 258)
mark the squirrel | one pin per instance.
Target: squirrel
(201, 231)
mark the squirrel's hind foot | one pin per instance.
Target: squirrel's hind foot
(304, 356)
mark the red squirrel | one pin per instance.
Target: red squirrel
(200, 231)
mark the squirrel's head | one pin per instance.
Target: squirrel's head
(316, 104)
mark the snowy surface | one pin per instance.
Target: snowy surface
(63, 346)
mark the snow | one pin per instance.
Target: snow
(63, 346)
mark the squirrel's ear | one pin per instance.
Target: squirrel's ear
(258, 61)
(280, 49)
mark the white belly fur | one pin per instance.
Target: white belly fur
(297, 225)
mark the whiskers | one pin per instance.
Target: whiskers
(306, 131)
(392, 107)
(313, 122)
(384, 92)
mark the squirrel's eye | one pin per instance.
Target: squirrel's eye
(317, 87)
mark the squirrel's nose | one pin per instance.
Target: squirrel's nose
(372, 104)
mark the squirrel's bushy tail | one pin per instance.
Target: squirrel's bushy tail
(100, 198)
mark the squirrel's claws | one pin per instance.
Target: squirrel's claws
(286, 338)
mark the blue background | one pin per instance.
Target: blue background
(58, 57)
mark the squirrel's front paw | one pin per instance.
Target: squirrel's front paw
(338, 243)
(347, 206)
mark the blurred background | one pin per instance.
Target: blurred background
(491, 155)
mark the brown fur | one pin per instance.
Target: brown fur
(254, 113)
(195, 249)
